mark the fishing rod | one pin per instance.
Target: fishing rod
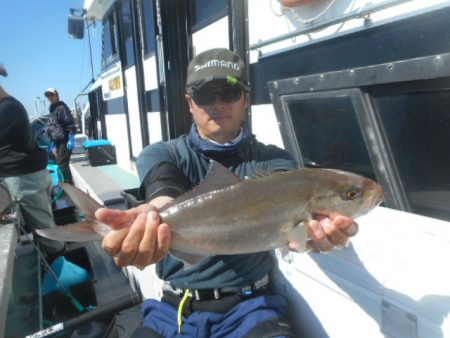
(108, 309)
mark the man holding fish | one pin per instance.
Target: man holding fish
(220, 289)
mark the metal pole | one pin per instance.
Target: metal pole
(79, 112)
(90, 51)
(35, 105)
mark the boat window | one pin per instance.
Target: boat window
(417, 125)
(127, 22)
(204, 12)
(109, 40)
(329, 135)
(149, 28)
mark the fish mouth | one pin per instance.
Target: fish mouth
(380, 199)
(374, 194)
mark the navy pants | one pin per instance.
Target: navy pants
(263, 316)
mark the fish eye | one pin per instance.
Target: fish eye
(351, 194)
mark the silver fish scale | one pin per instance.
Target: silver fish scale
(259, 214)
(238, 219)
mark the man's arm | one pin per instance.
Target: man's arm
(66, 119)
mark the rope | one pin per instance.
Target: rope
(310, 20)
(180, 309)
(282, 9)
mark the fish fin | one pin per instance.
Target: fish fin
(221, 176)
(299, 236)
(258, 173)
(76, 232)
(218, 177)
(187, 258)
(82, 200)
(286, 254)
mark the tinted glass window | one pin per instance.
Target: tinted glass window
(417, 125)
(127, 21)
(109, 40)
(329, 135)
(149, 29)
(205, 11)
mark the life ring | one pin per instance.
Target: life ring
(294, 3)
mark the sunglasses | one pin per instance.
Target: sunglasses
(207, 96)
(49, 94)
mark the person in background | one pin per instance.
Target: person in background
(23, 166)
(227, 296)
(61, 132)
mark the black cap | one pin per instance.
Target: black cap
(216, 64)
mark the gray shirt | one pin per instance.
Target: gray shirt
(215, 271)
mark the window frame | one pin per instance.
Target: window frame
(143, 26)
(125, 45)
(358, 84)
(198, 25)
(115, 54)
(367, 129)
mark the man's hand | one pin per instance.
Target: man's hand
(137, 237)
(326, 233)
(71, 142)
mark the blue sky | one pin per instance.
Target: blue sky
(37, 52)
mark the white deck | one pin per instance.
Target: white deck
(390, 282)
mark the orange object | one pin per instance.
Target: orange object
(294, 3)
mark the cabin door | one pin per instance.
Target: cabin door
(95, 125)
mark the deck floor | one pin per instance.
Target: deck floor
(111, 284)
(23, 310)
(24, 315)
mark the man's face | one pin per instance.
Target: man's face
(53, 98)
(218, 110)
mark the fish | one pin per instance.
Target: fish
(226, 215)
(5, 198)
